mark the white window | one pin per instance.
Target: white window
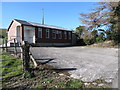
(65, 34)
(53, 34)
(18, 34)
(39, 32)
(69, 35)
(60, 34)
(47, 33)
(18, 31)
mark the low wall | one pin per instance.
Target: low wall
(12, 44)
(53, 44)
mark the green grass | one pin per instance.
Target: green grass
(7, 62)
(73, 83)
(39, 86)
(3, 33)
(1, 41)
(48, 80)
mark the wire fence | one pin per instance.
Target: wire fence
(11, 65)
(20, 61)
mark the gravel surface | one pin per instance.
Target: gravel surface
(85, 63)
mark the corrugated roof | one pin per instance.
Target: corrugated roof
(39, 25)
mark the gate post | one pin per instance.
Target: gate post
(26, 56)
(6, 45)
(3, 44)
(15, 48)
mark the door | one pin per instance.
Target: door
(29, 35)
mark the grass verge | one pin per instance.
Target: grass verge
(45, 77)
(10, 66)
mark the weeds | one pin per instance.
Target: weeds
(39, 86)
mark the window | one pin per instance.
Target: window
(69, 35)
(18, 27)
(65, 34)
(54, 34)
(60, 34)
(18, 31)
(39, 32)
(47, 33)
(18, 34)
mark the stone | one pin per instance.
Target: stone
(86, 84)
(61, 74)
(94, 83)
(100, 85)
(108, 81)
(75, 76)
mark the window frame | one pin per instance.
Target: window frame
(60, 34)
(40, 35)
(69, 34)
(65, 34)
(18, 29)
(47, 33)
(53, 33)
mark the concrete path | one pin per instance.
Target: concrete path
(91, 63)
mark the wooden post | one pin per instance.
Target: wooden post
(21, 52)
(34, 62)
(6, 45)
(2, 44)
(26, 56)
(15, 47)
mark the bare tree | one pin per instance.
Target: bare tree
(106, 14)
(100, 16)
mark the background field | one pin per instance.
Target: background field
(2, 33)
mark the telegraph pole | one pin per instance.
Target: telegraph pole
(43, 16)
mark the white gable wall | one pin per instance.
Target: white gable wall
(12, 33)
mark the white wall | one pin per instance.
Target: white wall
(18, 34)
(29, 34)
(12, 34)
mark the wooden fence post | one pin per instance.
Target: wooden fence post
(2, 44)
(15, 47)
(21, 52)
(6, 45)
(26, 56)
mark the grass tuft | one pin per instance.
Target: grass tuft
(9, 60)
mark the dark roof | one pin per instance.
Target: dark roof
(39, 25)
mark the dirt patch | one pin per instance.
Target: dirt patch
(47, 76)
(53, 69)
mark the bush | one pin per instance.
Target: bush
(87, 41)
(98, 39)
(116, 36)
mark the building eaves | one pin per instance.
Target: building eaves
(39, 25)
